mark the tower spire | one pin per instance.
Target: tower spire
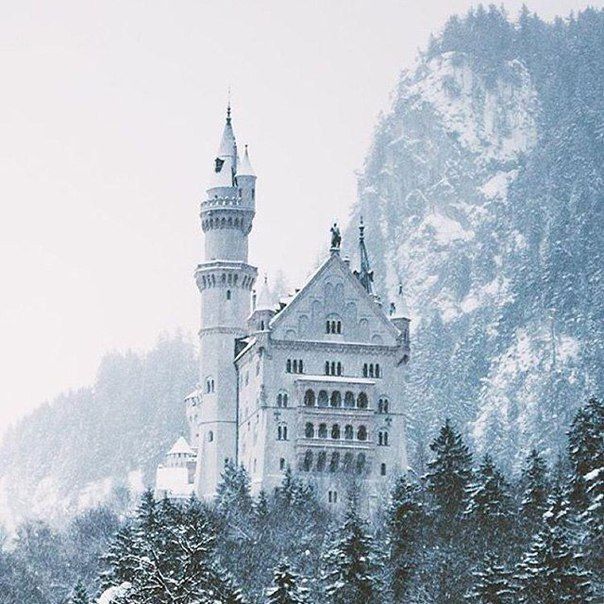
(364, 274)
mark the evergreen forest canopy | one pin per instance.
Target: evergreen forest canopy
(464, 532)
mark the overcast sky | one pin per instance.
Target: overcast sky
(110, 114)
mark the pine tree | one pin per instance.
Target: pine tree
(349, 570)
(488, 496)
(79, 595)
(551, 571)
(287, 588)
(261, 506)
(233, 493)
(404, 521)
(293, 492)
(492, 583)
(585, 450)
(450, 471)
(535, 488)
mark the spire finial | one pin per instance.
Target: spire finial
(364, 274)
(228, 119)
(361, 230)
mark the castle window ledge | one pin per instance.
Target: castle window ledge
(325, 412)
(327, 444)
(333, 379)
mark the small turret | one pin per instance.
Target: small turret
(263, 310)
(399, 315)
(246, 180)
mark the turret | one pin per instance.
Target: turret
(399, 315)
(263, 310)
(246, 180)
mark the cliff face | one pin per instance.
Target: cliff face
(482, 194)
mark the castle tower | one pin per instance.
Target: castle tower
(225, 281)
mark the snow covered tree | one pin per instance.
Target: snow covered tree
(535, 488)
(404, 518)
(287, 587)
(492, 583)
(488, 496)
(233, 492)
(450, 472)
(79, 595)
(261, 506)
(551, 572)
(585, 450)
(293, 492)
(349, 569)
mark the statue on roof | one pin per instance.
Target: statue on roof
(336, 238)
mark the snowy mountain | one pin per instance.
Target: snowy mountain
(87, 445)
(482, 194)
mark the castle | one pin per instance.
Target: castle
(314, 383)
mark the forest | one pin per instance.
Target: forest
(463, 532)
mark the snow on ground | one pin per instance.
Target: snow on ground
(497, 185)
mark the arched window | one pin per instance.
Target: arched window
(377, 370)
(385, 439)
(371, 370)
(383, 405)
(361, 463)
(300, 366)
(339, 368)
(288, 366)
(333, 368)
(295, 366)
(335, 462)
(321, 461)
(210, 386)
(285, 399)
(336, 399)
(362, 401)
(309, 398)
(349, 432)
(307, 461)
(281, 432)
(322, 430)
(347, 462)
(326, 367)
(309, 430)
(284, 432)
(365, 370)
(383, 469)
(362, 433)
(282, 463)
(349, 400)
(210, 436)
(228, 294)
(339, 327)
(380, 438)
(323, 398)
(327, 326)
(335, 432)
(279, 400)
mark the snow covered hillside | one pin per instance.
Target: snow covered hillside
(482, 194)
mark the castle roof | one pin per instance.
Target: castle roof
(244, 168)
(264, 300)
(181, 446)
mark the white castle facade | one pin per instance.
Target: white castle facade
(314, 383)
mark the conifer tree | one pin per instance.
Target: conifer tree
(488, 496)
(551, 572)
(586, 450)
(450, 471)
(79, 595)
(261, 507)
(535, 488)
(349, 569)
(293, 492)
(404, 520)
(286, 587)
(492, 583)
(233, 492)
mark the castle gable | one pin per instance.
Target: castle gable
(334, 306)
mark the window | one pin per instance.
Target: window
(335, 432)
(362, 401)
(383, 469)
(361, 463)
(347, 465)
(332, 496)
(333, 326)
(322, 430)
(335, 462)
(349, 432)
(336, 399)
(281, 432)
(383, 438)
(307, 461)
(282, 399)
(294, 366)
(309, 398)
(349, 400)
(362, 433)
(321, 460)
(282, 463)
(309, 430)
(228, 294)
(377, 370)
(365, 370)
(210, 385)
(333, 368)
(210, 436)
(383, 405)
(323, 398)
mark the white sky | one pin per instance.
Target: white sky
(110, 114)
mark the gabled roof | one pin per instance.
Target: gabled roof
(181, 446)
(334, 261)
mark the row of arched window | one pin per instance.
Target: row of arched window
(321, 462)
(371, 370)
(294, 366)
(281, 432)
(333, 368)
(335, 399)
(282, 399)
(222, 223)
(383, 438)
(335, 432)
(225, 280)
